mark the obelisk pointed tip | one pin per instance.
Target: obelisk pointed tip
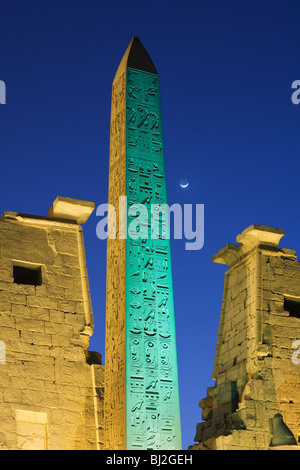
(138, 57)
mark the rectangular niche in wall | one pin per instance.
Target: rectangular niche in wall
(28, 276)
(293, 307)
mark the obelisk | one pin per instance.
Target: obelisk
(141, 377)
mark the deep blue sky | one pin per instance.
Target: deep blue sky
(230, 128)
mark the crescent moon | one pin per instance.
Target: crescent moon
(184, 185)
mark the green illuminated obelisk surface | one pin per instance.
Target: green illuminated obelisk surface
(141, 378)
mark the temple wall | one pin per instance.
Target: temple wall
(256, 369)
(51, 386)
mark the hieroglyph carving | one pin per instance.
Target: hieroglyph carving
(141, 344)
(115, 352)
(152, 386)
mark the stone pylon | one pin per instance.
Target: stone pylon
(141, 384)
(51, 392)
(255, 404)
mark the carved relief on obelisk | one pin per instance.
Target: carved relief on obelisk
(142, 400)
(115, 374)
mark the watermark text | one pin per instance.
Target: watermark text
(296, 94)
(2, 92)
(296, 354)
(145, 221)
